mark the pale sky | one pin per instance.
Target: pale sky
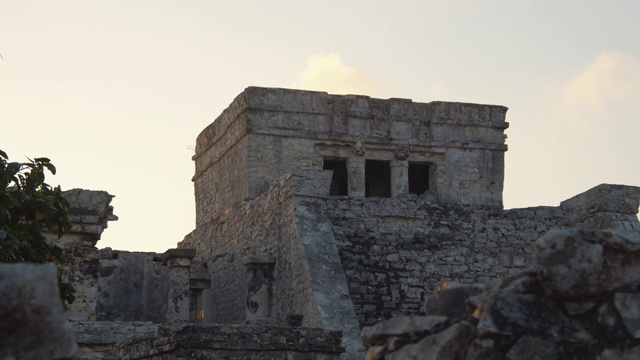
(115, 92)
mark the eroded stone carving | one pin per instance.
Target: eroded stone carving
(358, 148)
(402, 152)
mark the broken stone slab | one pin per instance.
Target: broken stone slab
(181, 253)
(409, 328)
(503, 313)
(604, 197)
(583, 263)
(32, 322)
(450, 300)
(451, 343)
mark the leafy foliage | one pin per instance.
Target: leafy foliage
(28, 205)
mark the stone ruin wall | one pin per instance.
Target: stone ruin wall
(289, 226)
(580, 300)
(396, 250)
(266, 132)
(264, 226)
(393, 250)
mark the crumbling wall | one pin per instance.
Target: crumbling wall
(263, 226)
(140, 340)
(89, 214)
(580, 301)
(393, 249)
(286, 223)
(131, 287)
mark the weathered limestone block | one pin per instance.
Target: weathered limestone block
(509, 314)
(312, 183)
(90, 211)
(451, 343)
(179, 262)
(628, 306)
(260, 287)
(533, 348)
(32, 322)
(577, 263)
(605, 197)
(131, 287)
(450, 300)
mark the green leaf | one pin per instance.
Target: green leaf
(13, 168)
(3, 154)
(13, 242)
(3, 234)
(42, 160)
(50, 167)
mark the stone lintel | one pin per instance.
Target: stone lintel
(259, 260)
(182, 253)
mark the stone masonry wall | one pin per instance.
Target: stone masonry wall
(266, 132)
(579, 301)
(131, 287)
(223, 182)
(392, 249)
(287, 223)
(233, 342)
(263, 226)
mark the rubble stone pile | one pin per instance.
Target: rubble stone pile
(580, 300)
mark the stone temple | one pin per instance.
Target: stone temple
(318, 215)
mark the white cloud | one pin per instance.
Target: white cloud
(611, 79)
(328, 73)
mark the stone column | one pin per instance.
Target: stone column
(260, 286)
(179, 262)
(399, 177)
(355, 171)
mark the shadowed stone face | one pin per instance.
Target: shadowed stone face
(32, 322)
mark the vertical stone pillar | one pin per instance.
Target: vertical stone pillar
(355, 171)
(260, 286)
(179, 262)
(399, 177)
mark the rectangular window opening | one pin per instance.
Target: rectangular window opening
(377, 178)
(418, 178)
(339, 180)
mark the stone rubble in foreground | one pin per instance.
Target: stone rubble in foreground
(580, 300)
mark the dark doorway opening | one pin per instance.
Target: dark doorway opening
(339, 181)
(377, 178)
(418, 178)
